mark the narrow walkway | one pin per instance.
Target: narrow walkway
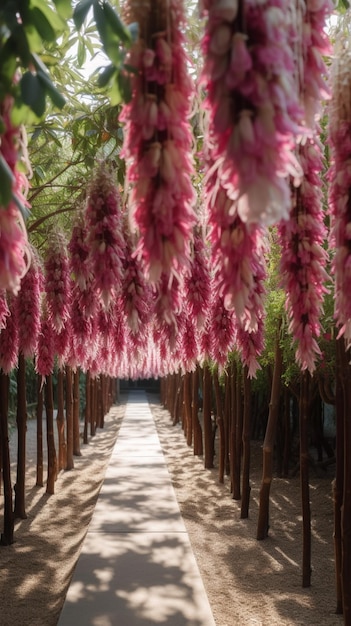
(136, 567)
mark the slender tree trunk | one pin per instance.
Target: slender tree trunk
(220, 422)
(246, 489)
(238, 437)
(232, 435)
(99, 402)
(208, 434)
(227, 407)
(188, 422)
(52, 459)
(20, 489)
(60, 422)
(87, 414)
(69, 418)
(9, 520)
(76, 421)
(178, 399)
(93, 407)
(346, 504)
(268, 444)
(338, 483)
(40, 456)
(304, 478)
(286, 452)
(198, 444)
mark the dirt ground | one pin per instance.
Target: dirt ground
(247, 582)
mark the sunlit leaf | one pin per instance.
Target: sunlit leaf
(42, 25)
(81, 53)
(56, 22)
(64, 8)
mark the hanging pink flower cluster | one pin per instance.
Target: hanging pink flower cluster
(254, 113)
(9, 338)
(14, 251)
(4, 309)
(157, 144)
(57, 281)
(197, 283)
(28, 305)
(303, 258)
(339, 189)
(137, 297)
(79, 254)
(313, 45)
(221, 331)
(104, 239)
(45, 355)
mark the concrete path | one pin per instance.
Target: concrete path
(136, 567)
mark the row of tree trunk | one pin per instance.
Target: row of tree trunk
(231, 414)
(100, 393)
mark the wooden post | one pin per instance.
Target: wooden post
(40, 460)
(208, 432)
(268, 443)
(20, 509)
(246, 489)
(52, 459)
(60, 422)
(304, 479)
(69, 418)
(9, 520)
(76, 421)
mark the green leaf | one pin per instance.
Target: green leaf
(116, 23)
(6, 180)
(55, 96)
(124, 87)
(81, 11)
(64, 8)
(81, 53)
(115, 93)
(42, 25)
(33, 93)
(25, 212)
(22, 46)
(106, 75)
(56, 22)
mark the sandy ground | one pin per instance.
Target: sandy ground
(247, 582)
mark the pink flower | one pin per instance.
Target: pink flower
(303, 260)
(14, 251)
(57, 281)
(157, 144)
(104, 238)
(28, 307)
(9, 339)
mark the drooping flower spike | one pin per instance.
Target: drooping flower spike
(254, 113)
(57, 281)
(14, 248)
(9, 338)
(340, 185)
(104, 238)
(28, 307)
(303, 258)
(158, 139)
